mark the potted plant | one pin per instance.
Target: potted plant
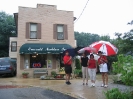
(53, 74)
(25, 74)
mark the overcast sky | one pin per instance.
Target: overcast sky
(104, 17)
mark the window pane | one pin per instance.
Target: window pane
(14, 48)
(60, 36)
(33, 27)
(59, 28)
(33, 34)
(14, 44)
(38, 61)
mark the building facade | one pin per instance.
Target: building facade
(43, 33)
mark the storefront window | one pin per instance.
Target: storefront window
(38, 61)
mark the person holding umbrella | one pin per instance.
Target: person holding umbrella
(102, 62)
(84, 61)
(68, 69)
(108, 49)
(92, 69)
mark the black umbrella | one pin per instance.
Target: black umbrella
(70, 51)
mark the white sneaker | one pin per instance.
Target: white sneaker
(102, 85)
(105, 86)
(93, 85)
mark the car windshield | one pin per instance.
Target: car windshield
(4, 62)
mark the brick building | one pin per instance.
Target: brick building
(43, 33)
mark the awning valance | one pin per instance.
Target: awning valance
(38, 48)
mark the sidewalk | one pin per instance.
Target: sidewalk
(76, 89)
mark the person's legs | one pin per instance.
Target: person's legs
(103, 78)
(86, 69)
(66, 77)
(106, 79)
(69, 78)
(105, 75)
(69, 74)
(83, 74)
(90, 74)
(68, 70)
(94, 76)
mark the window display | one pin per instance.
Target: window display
(38, 61)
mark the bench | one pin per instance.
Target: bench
(40, 71)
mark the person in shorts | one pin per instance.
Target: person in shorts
(102, 62)
(68, 69)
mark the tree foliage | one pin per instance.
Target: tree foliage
(7, 29)
(105, 38)
(85, 39)
(124, 42)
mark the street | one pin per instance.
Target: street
(31, 93)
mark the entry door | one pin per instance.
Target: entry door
(49, 60)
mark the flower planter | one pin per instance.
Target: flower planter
(25, 76)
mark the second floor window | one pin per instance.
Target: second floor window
(60, 32)
(33, 30)
(13, 46)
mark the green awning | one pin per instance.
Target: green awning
(38, 48)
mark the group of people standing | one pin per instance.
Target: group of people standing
(89, 68)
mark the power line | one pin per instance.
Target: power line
(82, 11)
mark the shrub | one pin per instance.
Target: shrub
(53, 73)
(77, 64)
(124, 66)
(25, 73)
(77, 71)
(115, 93)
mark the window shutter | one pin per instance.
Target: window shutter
(39, 31)
(54, 31)
(65, 32)
(27, 30)
(21, 62)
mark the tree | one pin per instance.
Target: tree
(7, 29)
(85, 39)
(124, 42)
(105, 38)
(130, 23)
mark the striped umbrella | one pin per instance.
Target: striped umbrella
(106, 47)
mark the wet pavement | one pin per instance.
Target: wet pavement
(76, 89)
(32, 93)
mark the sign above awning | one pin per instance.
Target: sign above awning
(38, 48)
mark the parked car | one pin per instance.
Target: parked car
(8, 66)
